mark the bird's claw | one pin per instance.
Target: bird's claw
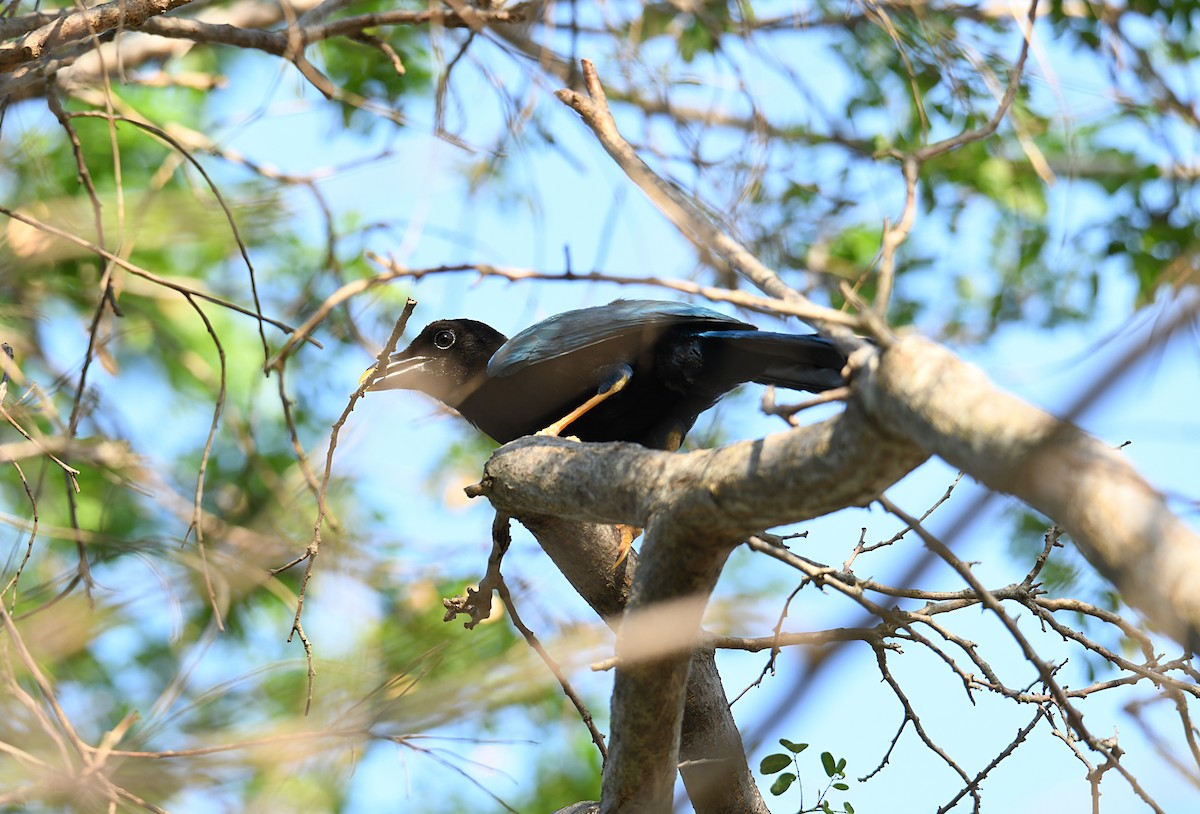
(628, 535)
(550, 433)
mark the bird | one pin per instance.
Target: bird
(633, 370)
(640, 371)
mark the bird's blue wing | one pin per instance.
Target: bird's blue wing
(572, 331)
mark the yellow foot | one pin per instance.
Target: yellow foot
(628, 535)
(546, 433)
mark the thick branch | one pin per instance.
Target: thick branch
(80, 26)
(711, 754)
(696, 506)
(919, 390)
(741, 488)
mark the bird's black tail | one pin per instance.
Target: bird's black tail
(797, 362)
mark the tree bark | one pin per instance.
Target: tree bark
(695, 508)
(714, 769)
(908, 401)
(917, 389)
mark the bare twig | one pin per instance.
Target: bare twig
(477, 602)
(559, 675)
(233, 227)
(741, 299)
(143, 273)
(693, 223)
(314, 546)
(197, 524)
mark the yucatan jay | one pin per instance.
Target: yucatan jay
(632, 370)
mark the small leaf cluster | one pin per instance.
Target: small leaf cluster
(835, 771)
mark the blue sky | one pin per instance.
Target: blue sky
(565, 204)
(549, 204)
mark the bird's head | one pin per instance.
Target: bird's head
(448, 360)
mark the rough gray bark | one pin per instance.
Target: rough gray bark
(695, 508)
(919, 390)
(714, 768)
(908, 401)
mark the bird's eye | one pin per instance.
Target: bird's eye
(443, 339)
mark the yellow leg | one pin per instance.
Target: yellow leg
(628, 535)
(609, 388)
(631, 533)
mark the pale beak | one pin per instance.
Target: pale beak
(400, 374)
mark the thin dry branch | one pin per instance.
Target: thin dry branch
(1010, 94)
(197, 522)
(38, 447)
(895, 234)
(677, 208)
(33, 531)
(81, 26)
(44, 685)
(314, 546)
(1103, 746)
(742, 299)
(216, 191)
(150, 276)
(569, 691)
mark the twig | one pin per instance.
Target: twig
(911, 715)
(973, 786)
(993, 604)
(43, 683)
(310, 477)
(197, 523)
(477, 602)
(233, 227)
(1010, 94)
(895, 234)
(314, 546)
(138, 271)
(677, 208)
(69, 470)
(743, 299)
(788, 412)
(33, 530)
(559, 675)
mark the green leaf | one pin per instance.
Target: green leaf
(849, 808)
(774, 763)
(829, 764)
(841, 787)
(782, 783)
(694, 39)
(794, 748)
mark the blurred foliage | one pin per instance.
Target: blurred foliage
(168, 645)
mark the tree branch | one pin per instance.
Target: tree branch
(711, 754)
(281, 43)
(696, 507)
(693, 223)
(82, 25)
(920, 391)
